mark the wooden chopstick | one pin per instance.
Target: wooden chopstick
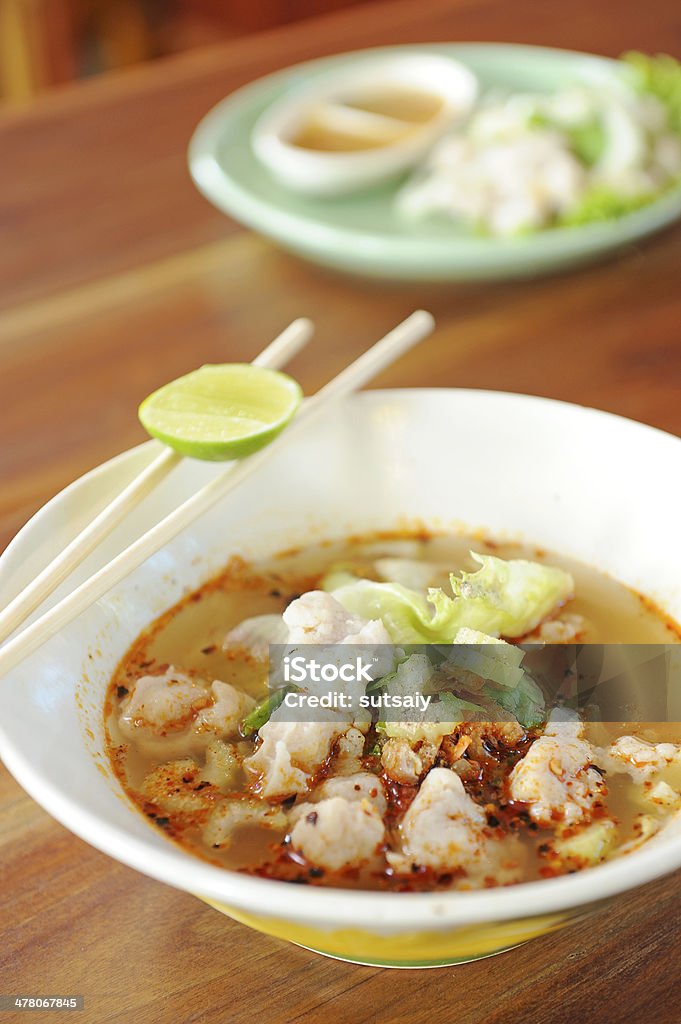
(277, 354)
(353, 377)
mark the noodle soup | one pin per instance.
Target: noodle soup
(488, 799)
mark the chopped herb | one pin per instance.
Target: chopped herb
(660, 76)
(262, 713)
(603, 203)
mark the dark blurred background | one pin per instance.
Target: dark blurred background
(44, 43)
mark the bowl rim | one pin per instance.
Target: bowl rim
(312, 904)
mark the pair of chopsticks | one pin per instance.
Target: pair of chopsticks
(292, 340)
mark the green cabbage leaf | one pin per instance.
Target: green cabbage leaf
(502, 598)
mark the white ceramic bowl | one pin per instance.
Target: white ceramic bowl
(326, 173)
(596, 487)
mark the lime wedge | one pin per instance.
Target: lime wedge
(221, 412)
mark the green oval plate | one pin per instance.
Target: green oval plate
(362, 233)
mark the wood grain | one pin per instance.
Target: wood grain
(114, 277)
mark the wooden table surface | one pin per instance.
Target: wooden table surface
(115, 276)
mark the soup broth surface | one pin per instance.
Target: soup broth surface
(189, 637)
